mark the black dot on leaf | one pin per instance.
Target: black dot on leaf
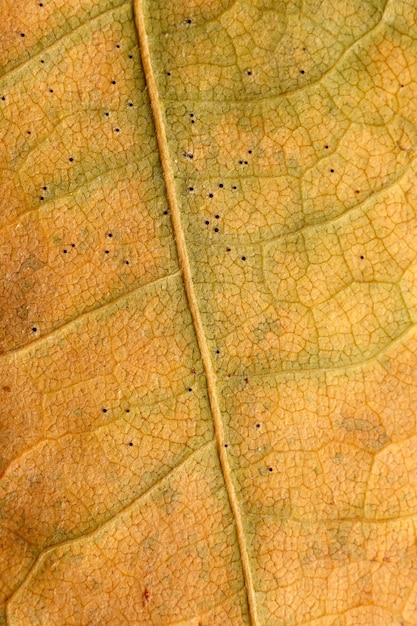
(258, 425)
(126, 262)
(34, 329)
(41, 198)
(332, 170)
(221, 185)
(248, 72)
(217, 217)
(207, 222)
(127, 411)
(165, 212)
(117, 130)
(22, 35)
(71, 159)
(168, 73)
(270, 469)
(51, 91)
(326, 147)
(234, 187)
(190, 188)
(130, 443)
(104, 410)
(113, 82)
(106, 251)
(210, 195)
(362, 257)
(110, 235)
(130, 104)
(302, 72)
(243, 258)
(65, 251)
(117, 45)
(3, 97)
(226, 445)
(130, 56)
(42, 61)
(190, 388)
(216, 230)
(217, 351)
(228, 249)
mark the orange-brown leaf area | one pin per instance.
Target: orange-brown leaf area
(208, 355)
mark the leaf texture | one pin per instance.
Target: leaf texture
(208, 305)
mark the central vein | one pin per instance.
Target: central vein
(192, 300)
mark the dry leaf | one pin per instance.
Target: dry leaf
(208, 306)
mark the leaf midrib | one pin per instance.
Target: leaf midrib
(185, 268)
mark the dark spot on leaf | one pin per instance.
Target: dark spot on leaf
(190, 388)
(113, 82)
(104, 410)
(210, 195)
(302, 72)
(117, 45)
(221, 185)
(127, 411)
(207, 222)
(106, 251)
(130, 104)
(166, 212)
(110, 235)
(6, 388)
(71, 159)
(146, 597)
(248, 72)
(327, 147)
(228, 249)
(332, 170)
(168, 73)
(362, 257)
(190, 188)
(217, 351)
(258, 425)
(130, 443)
(217, 217)
(34, 329)
(126, 262)
(226, 445)
(243, 258)
(270, 469)
(117, 130)
(51, 91)
(234, 187)
(65, 251)
(216, 230)
(22, 35)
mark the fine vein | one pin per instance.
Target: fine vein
(192, 300)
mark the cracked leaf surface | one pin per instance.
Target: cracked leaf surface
(208, 304)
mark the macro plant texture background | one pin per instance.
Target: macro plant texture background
(208, 313)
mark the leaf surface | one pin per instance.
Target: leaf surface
(208, 304)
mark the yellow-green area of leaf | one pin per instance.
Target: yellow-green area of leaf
(208, 355)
